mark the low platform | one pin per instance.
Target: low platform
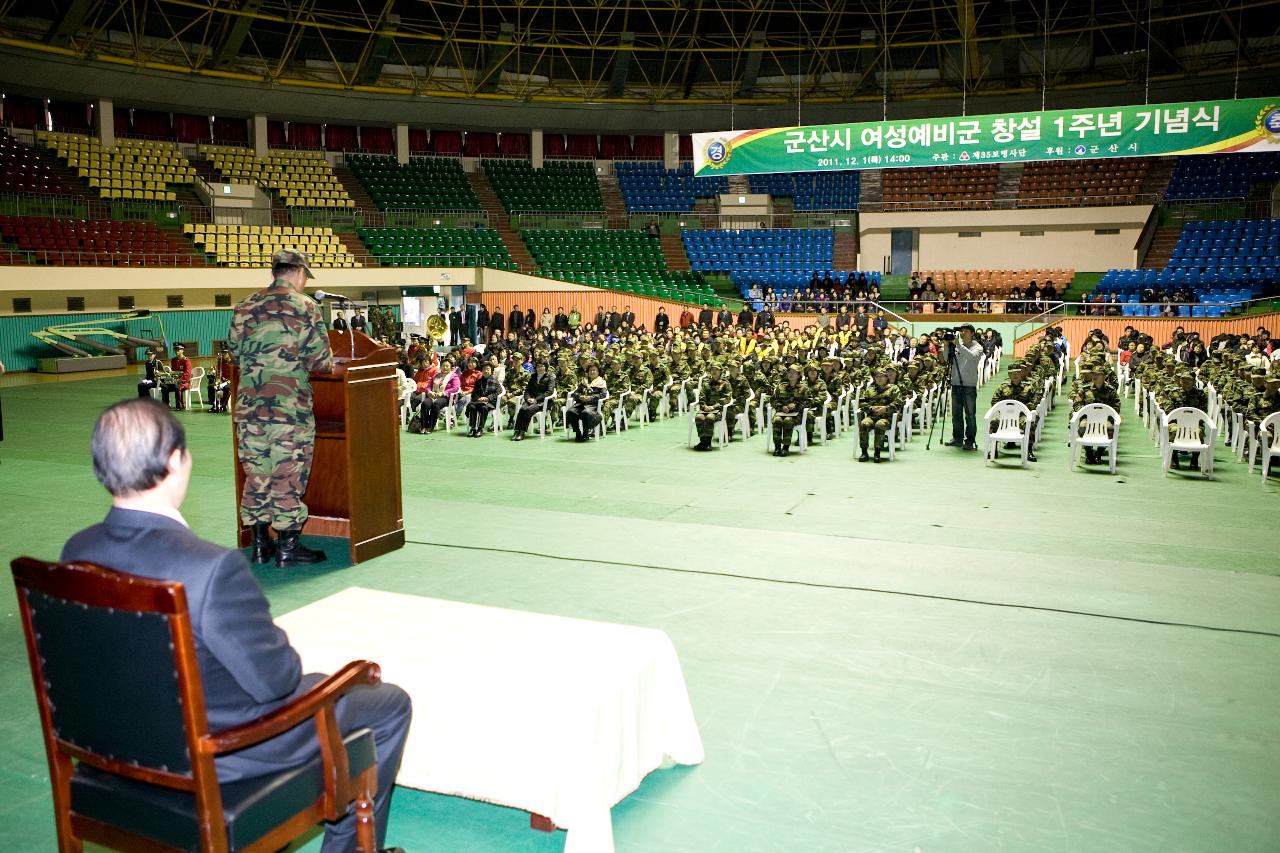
(80, 364)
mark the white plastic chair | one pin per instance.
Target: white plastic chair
(801, 426)
(407, 387)
(1093, 425)
(1008, 413)
(196, 388)
(822, 421)
(450, 412)
(664, 402)
(1187, 425)
(743, 419)
(1267, 444)
(544, 416)
(599, 430)
(719, 430)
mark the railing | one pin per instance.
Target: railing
(1019, 202)
(672, 221)
(84, 257)
(1116, 309)
(76, 207)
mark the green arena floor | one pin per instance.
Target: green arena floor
(929, 655)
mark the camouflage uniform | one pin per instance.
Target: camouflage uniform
(787, 394)
(278, 337)
(876, 410)
(716, 391)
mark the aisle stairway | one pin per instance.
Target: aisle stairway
(673, 252)
(1162, 245)
(499, 221)
(1007, 186)
(355, 189)
(615, 207)
(871, 191)
(845, 256)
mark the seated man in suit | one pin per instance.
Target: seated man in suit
(247, 666)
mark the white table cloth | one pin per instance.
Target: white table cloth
(555, 716)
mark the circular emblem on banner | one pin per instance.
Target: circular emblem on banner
(718, 153)
(1269, 122)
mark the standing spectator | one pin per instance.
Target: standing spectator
(546, 321)
(575, 320)
(963, 357)
(724, 319)
(561, 323)
(497, 324)
(686, 318)
(339, 322)
(455, 324)
(515, 320)
(705, 317)
(628, 317)
(661, 322)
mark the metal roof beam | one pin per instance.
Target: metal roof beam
(377, 51)
(751, 69)
(235, 30)
(62, 30)
(621, 66)
(495, 56)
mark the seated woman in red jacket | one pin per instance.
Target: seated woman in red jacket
(180, 379)
(470, 374)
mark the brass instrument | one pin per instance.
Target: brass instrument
(437, 327)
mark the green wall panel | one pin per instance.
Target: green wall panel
(20, 351)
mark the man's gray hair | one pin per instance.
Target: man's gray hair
(131, 445)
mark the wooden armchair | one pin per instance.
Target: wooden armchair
(131, 757)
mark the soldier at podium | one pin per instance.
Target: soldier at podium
(277, 337)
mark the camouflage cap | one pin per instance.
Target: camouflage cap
(293, 257)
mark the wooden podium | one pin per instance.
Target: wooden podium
(354, 490)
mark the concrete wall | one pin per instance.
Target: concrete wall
(1069, 240)
(499, 281)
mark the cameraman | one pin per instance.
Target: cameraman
(963, 356)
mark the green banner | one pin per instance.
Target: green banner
(1204, 127)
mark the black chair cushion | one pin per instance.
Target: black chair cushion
(252, 807)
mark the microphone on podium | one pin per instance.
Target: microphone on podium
(320, 294)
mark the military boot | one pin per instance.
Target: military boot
(263, 548)
(290, 550)
(864, 457)
(704, 443)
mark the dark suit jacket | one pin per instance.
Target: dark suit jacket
(661, 323)
(515, 321)
(629, 318)
(247, 666)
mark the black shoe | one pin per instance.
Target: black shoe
(518, 437)
(1195, 460)
(1031, 456)
(1174, 463)
(864, 457)
(786, 450)
(290, 550)
(263, 548)
(704, 444)
(581, 439)
(876, 458)
(971, 447)
(952, 443)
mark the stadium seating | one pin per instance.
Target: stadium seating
(417, 247)
(1219, 261)
(812, 190)
(996, 282)
(780, 258)
(1221, 176)
(22, 170)
(1091, 182)
(649, 187)
(92, 242)
(136, 169)
(437, 183)
(557, 186)
(298, 178)
(968, 187)
(627, 260)
(250, 246)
